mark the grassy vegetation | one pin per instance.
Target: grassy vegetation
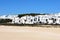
(5, 20)
(32, 14)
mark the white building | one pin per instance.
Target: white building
(38, 19)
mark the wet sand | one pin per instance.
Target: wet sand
(28, 33)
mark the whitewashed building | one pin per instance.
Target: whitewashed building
(37, 19)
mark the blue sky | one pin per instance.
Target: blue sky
(29, 6)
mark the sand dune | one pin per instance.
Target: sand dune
(29, 33)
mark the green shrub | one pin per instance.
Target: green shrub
(5, 20)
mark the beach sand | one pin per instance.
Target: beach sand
(28, 33)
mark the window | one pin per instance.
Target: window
(25, 20)
(38, 19)
(35, 19)
(31, 20)
(19, 20)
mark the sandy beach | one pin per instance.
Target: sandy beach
(28, 33)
